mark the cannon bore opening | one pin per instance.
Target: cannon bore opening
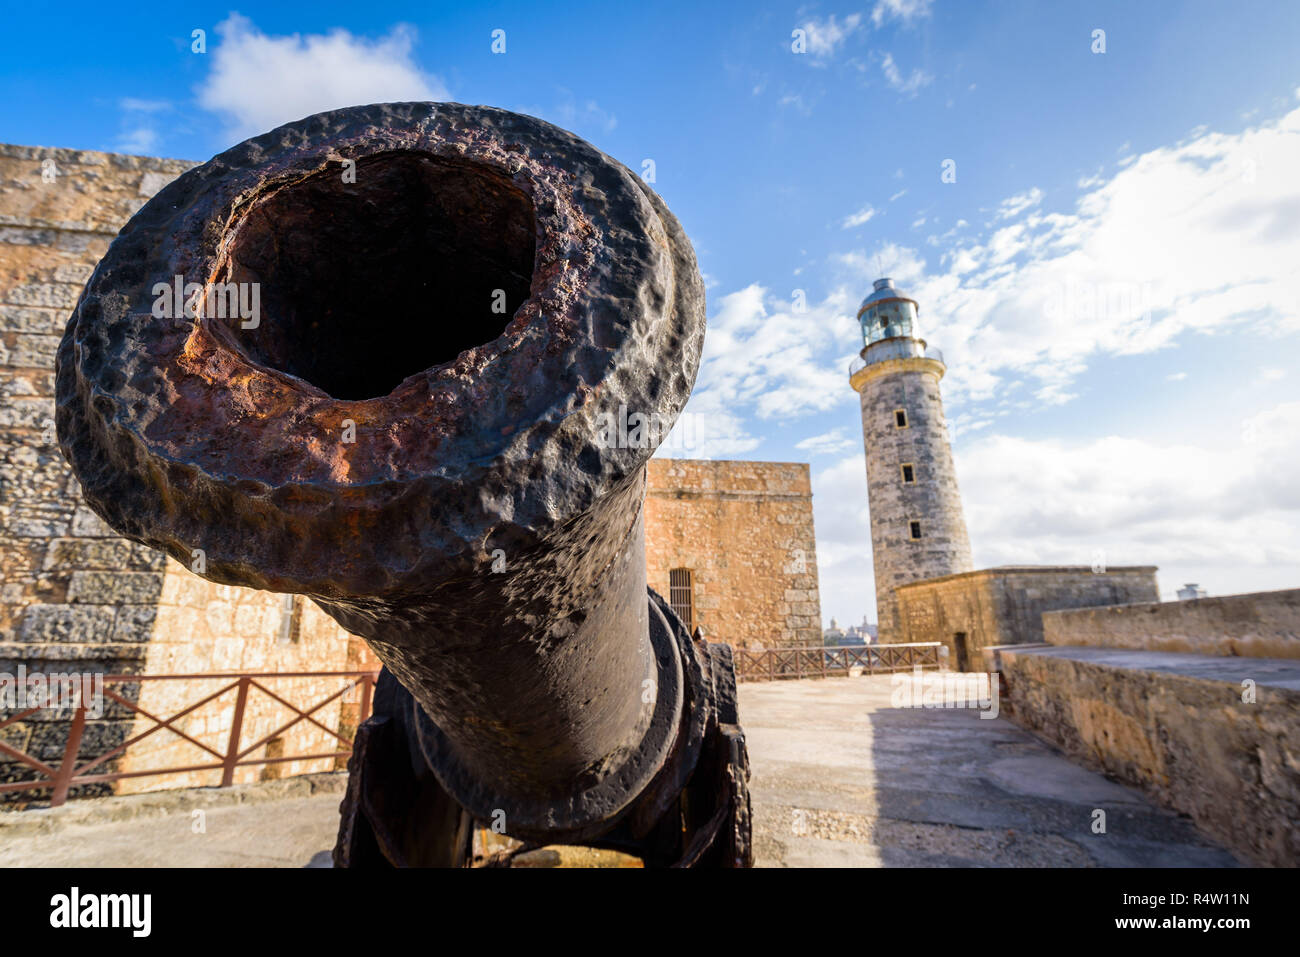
(363, 284)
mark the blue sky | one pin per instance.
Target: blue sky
(1113, 274)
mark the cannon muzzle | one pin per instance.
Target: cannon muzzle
(410, 360)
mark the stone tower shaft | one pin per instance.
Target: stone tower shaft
(918, 529)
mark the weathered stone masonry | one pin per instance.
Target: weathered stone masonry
(72, 592)
(930, 498)
(1005, 606)
(1256, 625)
(75, 596)
(745, 530)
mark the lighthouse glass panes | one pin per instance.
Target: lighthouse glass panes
(680, 595)
(888, 320)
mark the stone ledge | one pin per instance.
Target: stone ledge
(91, 811)
(1176, 726)
(1265, 672)
(1003, 571)
(96, 158)
(1254, 625)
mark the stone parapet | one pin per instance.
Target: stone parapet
(1255, 625)
(1210, 737)
(1006, 605)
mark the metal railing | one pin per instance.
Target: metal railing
(69, 774)
(778, 663)
(858, 362)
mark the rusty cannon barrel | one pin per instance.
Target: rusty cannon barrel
(410, 360)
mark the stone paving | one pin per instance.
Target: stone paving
(288, 823)
(840, 779)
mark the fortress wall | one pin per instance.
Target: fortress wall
(1005, 606)
(1211, 737)
(75, 595)
(745, 529)
(1255, 625)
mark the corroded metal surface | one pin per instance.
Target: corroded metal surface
(454, 302)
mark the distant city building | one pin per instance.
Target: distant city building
(1189, 591)
(863, 634)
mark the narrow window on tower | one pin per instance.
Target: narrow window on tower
(909, 474)
(900, 418)
(916, 529)
(681, 595)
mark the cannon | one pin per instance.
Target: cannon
(385, 357)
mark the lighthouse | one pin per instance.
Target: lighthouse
(918, 530)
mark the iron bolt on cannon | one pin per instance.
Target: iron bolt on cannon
(453, 301)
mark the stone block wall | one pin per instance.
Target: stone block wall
(74, 595)
(745, 530)
(1005, 606)
(932, 498)
(1211, 737)
(1256, 625)
(202, 627)
(59, 209)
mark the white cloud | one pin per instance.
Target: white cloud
(707, 429)
(1015, 205)
(844, 571)
(860, 218)
(763, 358)
(141, 141)
(797, 101)
(827, 443)
(143, 106)
(826, 36)
(258, 82)
(899, 195)
(1224, 511)
(900, 263)
(1196, 238)
(894, 76)
(907, 11)
(140, 121)
(572, 115)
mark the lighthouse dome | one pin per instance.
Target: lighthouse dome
(887, 313)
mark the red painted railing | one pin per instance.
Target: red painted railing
(69, 774)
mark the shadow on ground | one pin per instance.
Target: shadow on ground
(843, 779)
